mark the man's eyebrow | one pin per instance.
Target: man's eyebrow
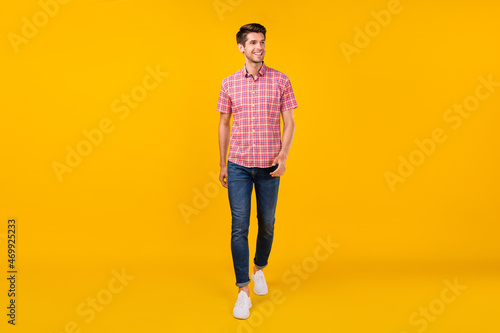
(254, 40)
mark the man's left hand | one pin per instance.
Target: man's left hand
(280, 160)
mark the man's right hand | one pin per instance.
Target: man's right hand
(223, 176)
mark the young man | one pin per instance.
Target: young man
(256, 96)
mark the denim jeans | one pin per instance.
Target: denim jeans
(241, 181)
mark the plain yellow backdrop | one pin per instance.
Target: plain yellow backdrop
(371, 78)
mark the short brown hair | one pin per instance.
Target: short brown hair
(241, 36)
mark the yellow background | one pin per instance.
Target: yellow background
(122, 207)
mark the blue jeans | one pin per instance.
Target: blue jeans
(240, 184)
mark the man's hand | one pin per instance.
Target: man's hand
(223, 176)
(280, 160)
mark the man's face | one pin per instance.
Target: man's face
(255, 47)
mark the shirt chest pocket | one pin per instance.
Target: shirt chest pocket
(271, 100)
(271, 105)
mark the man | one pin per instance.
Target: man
(256, 96)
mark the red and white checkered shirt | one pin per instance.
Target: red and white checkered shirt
(256, 105)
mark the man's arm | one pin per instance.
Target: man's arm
(286, 142)
(224, 130)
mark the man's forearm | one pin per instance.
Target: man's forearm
(286, 141)
(223, 142)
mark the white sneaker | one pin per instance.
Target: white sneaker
(260, 286)
(242, 307)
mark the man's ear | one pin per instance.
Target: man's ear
(241, 48)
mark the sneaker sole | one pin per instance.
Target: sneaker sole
(256, 293)
(241, 318)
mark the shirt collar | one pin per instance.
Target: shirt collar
(261, 71)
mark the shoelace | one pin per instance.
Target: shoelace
(259, 277)
(241, 300)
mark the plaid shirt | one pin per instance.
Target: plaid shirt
(256, 105)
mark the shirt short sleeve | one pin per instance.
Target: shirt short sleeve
(288, 98)
(224, 103)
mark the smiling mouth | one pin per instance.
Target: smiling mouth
(258, 54)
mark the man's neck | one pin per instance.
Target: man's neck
(253, 68)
